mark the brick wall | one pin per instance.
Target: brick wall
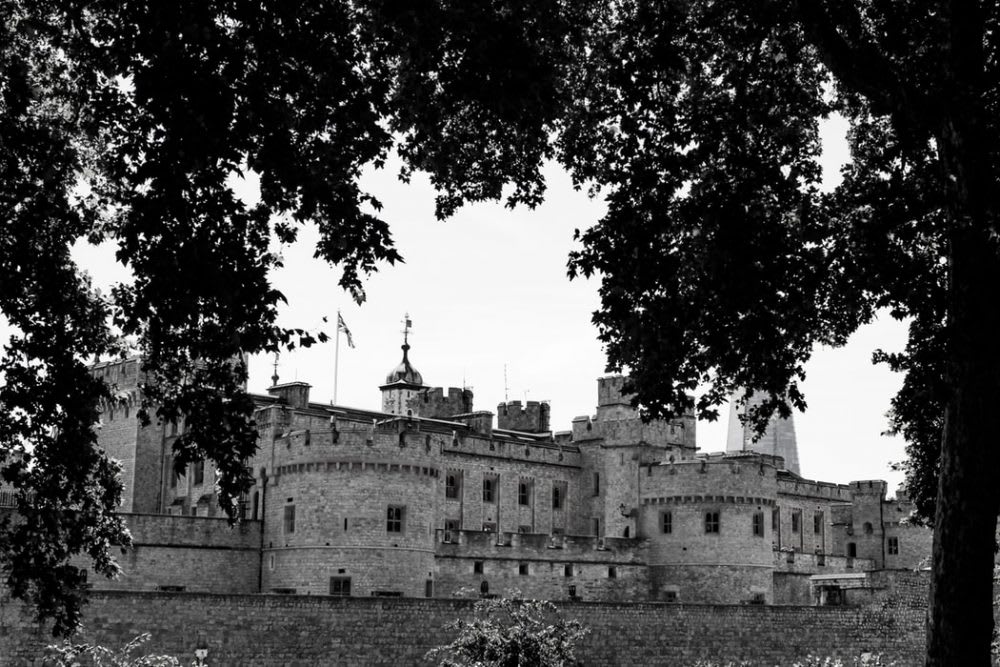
(305, 631)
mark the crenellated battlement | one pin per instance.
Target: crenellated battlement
(796, 486)
(869, 487)
(533, 417)
(716, 478)
(441, 402)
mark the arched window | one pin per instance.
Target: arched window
(868, 528)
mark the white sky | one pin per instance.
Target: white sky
(488, 289)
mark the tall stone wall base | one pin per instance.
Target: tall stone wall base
(307, 631)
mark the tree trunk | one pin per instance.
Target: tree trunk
(960, 615)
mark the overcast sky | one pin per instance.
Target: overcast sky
(488, 291)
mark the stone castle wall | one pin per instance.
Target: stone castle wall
(195, 554)
(285, 630)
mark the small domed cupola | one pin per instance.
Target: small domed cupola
(403, 382)
(405, 372)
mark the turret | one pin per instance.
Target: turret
(532, 418)
(402, 383)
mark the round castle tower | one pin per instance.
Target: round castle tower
(350, 504)
(709, 524)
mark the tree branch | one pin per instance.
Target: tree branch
(862, 67)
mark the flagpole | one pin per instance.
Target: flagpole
(336, 358)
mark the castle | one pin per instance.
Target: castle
(430, 497)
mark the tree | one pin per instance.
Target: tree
(124, 122)
(509, 632)
(722, 263)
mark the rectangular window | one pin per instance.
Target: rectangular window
(173, 475)
(199, 472)
(612, 572)
(489, 527)
(477, 567)
(667, 522)
(670, 596)
(522, 569)
(567, 570)
(758, 524)
(775, 520)
(558, 496)
(453, 485)
(712, 522)
(524, 492)
(796, 521)
(596, 526)
(452, 525)
(394, 519)
(429, 588)
(340, 586)
(597, 483)
(524, 529)
(893, 546)
(818, 523)
(852, 550)
(489, 489)
(289, 519)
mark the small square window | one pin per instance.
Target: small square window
(667, 523)
(340, 586)
(394, 519)
(452, 525)
(522, 569)
(893, 546)
(712, 522)
(477, 567)
(670, 596)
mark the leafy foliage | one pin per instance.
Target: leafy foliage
(511, 632)
(125, 122)
(68, 654)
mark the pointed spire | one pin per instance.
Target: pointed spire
(274, 377)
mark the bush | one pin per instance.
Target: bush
(510, 632)
(68, 654)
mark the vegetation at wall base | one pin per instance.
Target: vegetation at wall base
(512, 632)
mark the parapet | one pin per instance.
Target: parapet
(441, 403)
(532, 418)
(292, 394)
(869, 487)
(480, 422)
(609, 391)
